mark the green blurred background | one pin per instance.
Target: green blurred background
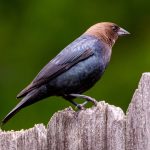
(34, 31)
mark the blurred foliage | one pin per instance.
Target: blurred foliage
(34, 31)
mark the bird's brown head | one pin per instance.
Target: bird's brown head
(107, 32)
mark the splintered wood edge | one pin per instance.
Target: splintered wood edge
(68, 110)
(117, 112)
(102, 119)
(32, 138)
(138, 116)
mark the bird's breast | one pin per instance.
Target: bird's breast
(80, 77)
(83, 75)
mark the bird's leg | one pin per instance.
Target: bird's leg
(87, 98)
(79, 106)
(69, 98)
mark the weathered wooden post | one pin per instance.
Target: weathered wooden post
(138, 117)
(104, 127)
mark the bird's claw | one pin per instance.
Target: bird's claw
(81, 106)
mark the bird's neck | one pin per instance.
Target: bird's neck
(108, 39)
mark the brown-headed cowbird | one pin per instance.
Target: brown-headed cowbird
(75, 69)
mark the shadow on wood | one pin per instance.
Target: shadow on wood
(104, 127)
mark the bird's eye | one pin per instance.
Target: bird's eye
(115, 28)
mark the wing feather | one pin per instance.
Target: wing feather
(71, 55)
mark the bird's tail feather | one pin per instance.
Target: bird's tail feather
(29, 99)
(25, 91)
(14, 111)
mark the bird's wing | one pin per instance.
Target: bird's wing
(71, 55)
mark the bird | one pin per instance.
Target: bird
(74, 70)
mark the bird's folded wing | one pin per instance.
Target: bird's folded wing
(53, 69)
(70, 56)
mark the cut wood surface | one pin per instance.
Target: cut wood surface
(104, 127)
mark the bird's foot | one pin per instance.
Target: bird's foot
(78, 106)
(88, 98)
(81, 106)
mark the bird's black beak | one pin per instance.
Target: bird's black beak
(122, 32)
